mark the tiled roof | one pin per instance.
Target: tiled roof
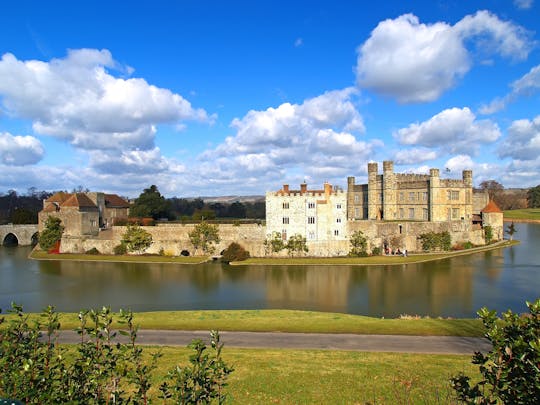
(58, 197)
(79, 200)
(491, 207)
(115, 201)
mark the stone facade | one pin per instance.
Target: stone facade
(415, 197)
(317, 215)
(83, 214)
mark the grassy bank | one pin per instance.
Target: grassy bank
(293, 321)
(370, 260)
(41, 255)
(333, 377)
(527, 214)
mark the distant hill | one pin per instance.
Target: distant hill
(230, 199)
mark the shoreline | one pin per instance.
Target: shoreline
(282, 261)
(522, 220)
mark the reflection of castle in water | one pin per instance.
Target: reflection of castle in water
(392, 290)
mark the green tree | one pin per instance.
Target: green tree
(51, 233)
(296, 244)
(274, 243)
(136, 239)
(494, 189)
(511, 370)
(204, 236)
(24, 216)
(358, 244)
(533, 197)
(511, 230)
(150, 204)
(488, 234)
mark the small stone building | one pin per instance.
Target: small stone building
(83, 214)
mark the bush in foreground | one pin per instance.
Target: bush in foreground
(511, 370)
(35, 370)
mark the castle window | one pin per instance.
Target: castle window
(424, 196)
(338, 220)
(411, 213)
(455, 195)
(285, 220)
(401, 213)
(311, 205)
(411, 196)
(336, 232)
(286, 206)
(357, 212)
(401, 196)
(425, 214)
(338, 206)
(311, 235)
(284, 234)
(93, 222)
(356, 198)
(311, 220)
(455, 213)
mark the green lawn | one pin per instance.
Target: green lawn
(40, 255)
(331, 377)
(527, 213)
(293, 321)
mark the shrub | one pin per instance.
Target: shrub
(274, 243)
(296, 244)
(120, 222)
(436, 241)
(376, 251)
(358, 244)
(120, 249)
(510, 371)
(488, 234)
(235, 253)
(204, 236)
(92, 251)
(136, 239)
(51, 234)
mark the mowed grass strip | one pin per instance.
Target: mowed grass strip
(292, 321)
(40, 255)
(330, 377)
(526, 213)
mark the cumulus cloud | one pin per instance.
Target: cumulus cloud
(528, 85)
(523, 140)
(19, 150)
(456, 130)
(414, 156)
(79, 99)
(416, 62)
(314, 140)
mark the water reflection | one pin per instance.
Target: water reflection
(500, 279)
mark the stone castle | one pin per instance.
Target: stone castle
(392, 210)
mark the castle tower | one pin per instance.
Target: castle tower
(350, 197)
(389, 191)
(372, 190)
(434, 196)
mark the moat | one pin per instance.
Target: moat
(500, 279)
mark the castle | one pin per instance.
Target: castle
(392, 211)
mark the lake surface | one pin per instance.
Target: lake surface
(499, 279)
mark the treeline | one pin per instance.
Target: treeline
(21, 209)
(512, 198)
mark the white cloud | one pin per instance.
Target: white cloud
(523, 4)
(313, 141)
(522, 141)
(526, 86)
(298, 42)
(78, 99)
(453, 130)
(19, 150)
(415, 62)
(414, 156)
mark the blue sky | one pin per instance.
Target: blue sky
(236, 98)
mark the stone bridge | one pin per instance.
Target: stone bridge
(24, 235)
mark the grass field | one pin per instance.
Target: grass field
(331, 377)
(523, 214)
(293, 321)
(40, 255)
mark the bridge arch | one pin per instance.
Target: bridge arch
(10, 240)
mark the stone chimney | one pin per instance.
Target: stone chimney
(286, 188)
(327, 189)
(303, 188)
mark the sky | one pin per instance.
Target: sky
(210, 98)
